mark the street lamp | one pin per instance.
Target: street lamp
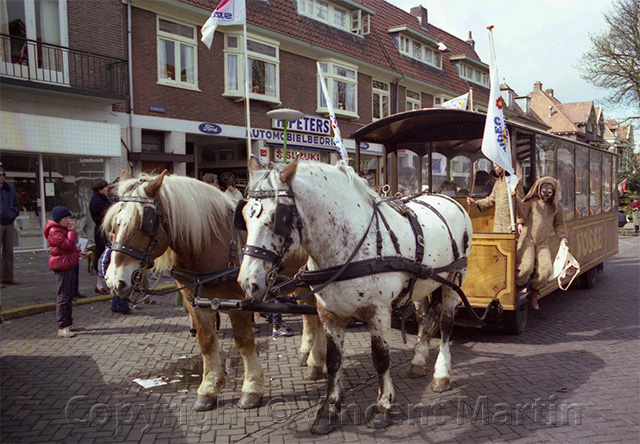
(286, 115)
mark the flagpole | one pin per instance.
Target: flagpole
(494, 65)
(247, 103)
(471, 98)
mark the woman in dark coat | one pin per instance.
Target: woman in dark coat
(98, 207)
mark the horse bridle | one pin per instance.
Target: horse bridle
(152, 216)
(286, 217)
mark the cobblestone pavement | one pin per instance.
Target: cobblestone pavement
(571, 378)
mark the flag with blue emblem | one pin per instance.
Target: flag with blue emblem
(228, 12)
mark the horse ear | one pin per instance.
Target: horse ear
(153, 189)
(125, 175)
(286, 176)
(254, 164)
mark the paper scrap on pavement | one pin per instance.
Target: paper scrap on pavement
(148, 383)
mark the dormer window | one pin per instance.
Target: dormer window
(471, 70)
(416, 45)
(347, 15)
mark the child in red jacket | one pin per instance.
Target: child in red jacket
(61, 237)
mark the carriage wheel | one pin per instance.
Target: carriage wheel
(515, 322)
(588, 279)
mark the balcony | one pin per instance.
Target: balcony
(34, 64)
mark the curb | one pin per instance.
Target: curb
(30, 310)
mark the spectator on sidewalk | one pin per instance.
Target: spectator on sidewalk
(635, 214)
(98, 207)
(118, 305)
(61, 235)
(8, 213)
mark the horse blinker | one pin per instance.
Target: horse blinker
(149, 224)
(238, 220)
(282, 226)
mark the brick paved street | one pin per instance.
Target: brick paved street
(573, 377)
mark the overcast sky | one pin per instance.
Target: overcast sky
(535, 40)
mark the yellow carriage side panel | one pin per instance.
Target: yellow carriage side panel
(482, 221)
(491, 270)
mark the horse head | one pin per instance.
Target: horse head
(273, 226)
(138, 230)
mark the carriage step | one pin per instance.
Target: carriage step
(249, 305)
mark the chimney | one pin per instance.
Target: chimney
(537, 87)
(550, 111)
(549, 91)
(471, 42)
(420, 12)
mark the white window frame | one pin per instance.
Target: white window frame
(59, 74)
(234, 67)
(310, 8)
(412, 102)
(438, 101)
(381, 90)
(179, 42)
(332, 80)
(422, 53)
(470, 74)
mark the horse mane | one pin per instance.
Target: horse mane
(194, 210)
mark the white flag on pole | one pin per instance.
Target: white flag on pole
(337, 138)
(228, 12)
(459, 102)
(496, 144)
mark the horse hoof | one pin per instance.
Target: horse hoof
(417, 371)
(440, 385)
(313, 374)
(302, 359)
(250, 401)
(205, 403)
(322, 426)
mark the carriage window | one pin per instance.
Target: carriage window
(461, 168)
(566, 179)
(369, 169)
(607, 183)
(408, 172)
(177, 64)
(582, 181)
(546, 156)
(483, 180)
(439, 170)
(595, 161)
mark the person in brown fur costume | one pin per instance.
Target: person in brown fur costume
(540, 216)
(499, 198)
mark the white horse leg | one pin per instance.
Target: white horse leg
(442, 374)
(212, 372)
(253, 385)
(325, 420)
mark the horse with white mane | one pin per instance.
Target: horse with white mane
(339, 220)
(185, 225)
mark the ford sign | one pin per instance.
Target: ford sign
(364, 146)
(210, 128)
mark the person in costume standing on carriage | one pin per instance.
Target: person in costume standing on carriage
(540, 216)
(499, 198)
(61, 236)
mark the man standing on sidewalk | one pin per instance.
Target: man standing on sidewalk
(8, 214)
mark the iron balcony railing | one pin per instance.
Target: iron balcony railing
(47, 64)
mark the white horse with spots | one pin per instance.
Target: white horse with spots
(335, 215)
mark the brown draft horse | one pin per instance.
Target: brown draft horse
(176, 221)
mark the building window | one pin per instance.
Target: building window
(413, 100)
(381, 99)
(152, 141)
(264, 68)
(342, 86)
(471, 74)
(333, 15)
(177, 45)
(33, 33)
(439, 100)
(416, 50)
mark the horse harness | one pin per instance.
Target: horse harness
(286, 216)
(152, 217)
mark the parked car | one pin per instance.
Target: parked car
(622, 219)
